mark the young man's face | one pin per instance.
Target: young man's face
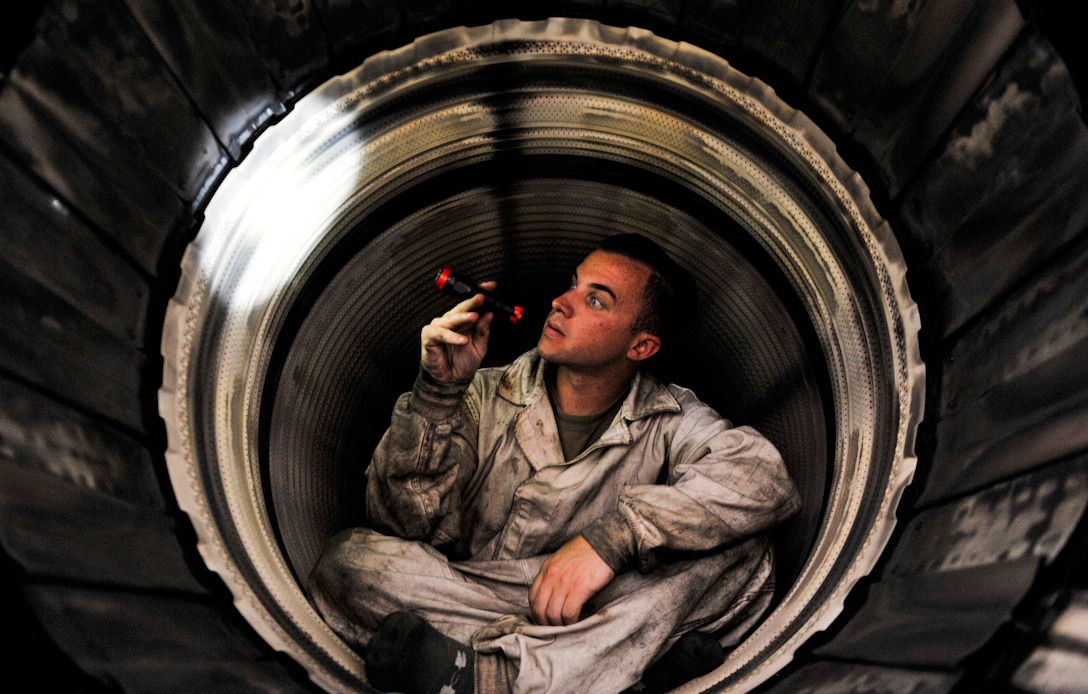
(590, 324)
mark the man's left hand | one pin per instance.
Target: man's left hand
(567, 580)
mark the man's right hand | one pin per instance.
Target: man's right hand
(454, 344)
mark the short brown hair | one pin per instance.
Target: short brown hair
(669, 297)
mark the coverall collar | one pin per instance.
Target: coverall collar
(523, 382)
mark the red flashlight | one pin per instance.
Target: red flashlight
(459, 285)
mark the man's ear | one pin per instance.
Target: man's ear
(644, 346)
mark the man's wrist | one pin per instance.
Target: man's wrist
(613, 540)
(435, 399)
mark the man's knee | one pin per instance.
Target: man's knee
(340, 565)
(361, 560)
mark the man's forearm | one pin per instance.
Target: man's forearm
(417, 463)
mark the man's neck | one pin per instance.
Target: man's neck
(579, 393)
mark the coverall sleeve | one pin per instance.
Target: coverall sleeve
(723, 484)
(417, 471)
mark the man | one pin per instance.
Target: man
(559, 524)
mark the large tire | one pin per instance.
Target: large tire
(962, 118)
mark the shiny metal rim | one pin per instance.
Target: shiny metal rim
(349, 146)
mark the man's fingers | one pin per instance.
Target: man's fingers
(563, 608)
(474, 302)
(451, 329)
(466, 312)
(554, 602)
(483, 326)
(571, 611)
(560, 606)
(546, 600)
(456, 320)
(550, 611)
(436, 335)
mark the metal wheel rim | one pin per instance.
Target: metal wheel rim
(249, 263)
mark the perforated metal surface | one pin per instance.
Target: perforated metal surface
(505, 152)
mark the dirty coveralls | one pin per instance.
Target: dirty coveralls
(470, 487)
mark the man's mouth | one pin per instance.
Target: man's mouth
(550, 329)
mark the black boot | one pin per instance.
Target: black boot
(694, 654)
(406, 654)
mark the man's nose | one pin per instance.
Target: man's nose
(562, 303)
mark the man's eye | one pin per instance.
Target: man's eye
(595, 302)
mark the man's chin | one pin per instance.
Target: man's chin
(548, 352)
